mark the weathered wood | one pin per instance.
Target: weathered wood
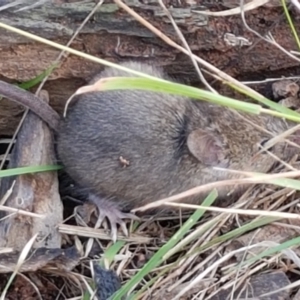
(41, 258)
(114, 35)
(37, 193)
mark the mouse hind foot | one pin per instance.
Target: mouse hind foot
(108, 209)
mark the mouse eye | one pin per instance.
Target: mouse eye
(262, 144)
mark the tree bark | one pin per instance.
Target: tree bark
(114, 35)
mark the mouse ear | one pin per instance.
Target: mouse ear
(205, 147)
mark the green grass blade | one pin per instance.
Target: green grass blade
(282, 182)
(38, 79)
(28, 170)
(275, 106)
(288, 16)
(286, 183)
(285, 245)
(125, 83)
(158, 257)
(114, 249)
(257, 223)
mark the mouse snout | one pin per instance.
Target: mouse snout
(295, 147)
(283, 149)
(289, 147)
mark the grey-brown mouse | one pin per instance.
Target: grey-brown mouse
(132, 147)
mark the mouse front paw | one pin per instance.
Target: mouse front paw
(109, 210)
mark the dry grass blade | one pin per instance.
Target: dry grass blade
(19, 211)
(260, 178)
(281, 137)
(282, 248)
(290, 286)
(234, 11)
(21, 260)
(179, 33)
(100, 234)
(296, 4)
(249, 212)
(210, 269)
(12, 4)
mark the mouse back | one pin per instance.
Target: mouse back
(102, 130)
(138, 146)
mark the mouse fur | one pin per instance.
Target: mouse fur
(128, 148)
(171, 143)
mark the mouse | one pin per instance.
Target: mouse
(129, 148)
